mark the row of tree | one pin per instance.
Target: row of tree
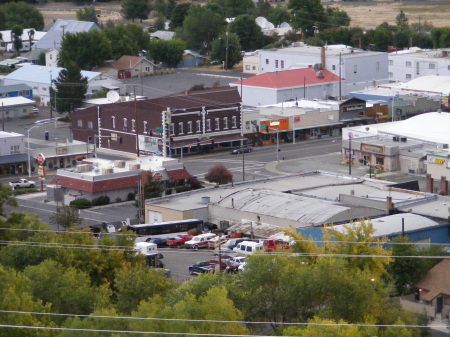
(71, 273)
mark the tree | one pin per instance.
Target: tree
(179, 13)
(31, 33)
(128, 39)
(2, 21)
(278, 15)
(6, 197)
(263, 8)
(153, 188)
(234, 8)
(87, 50)
(160, 23)
(170, 7)
(16, 33)
(71, 88)
(22, 14)
(337, 17)
(200, 27)
(66, 216)
(227, 50)
(382, 38)
(136, 9)
(87, 13)
(219, 174)
(308, 15)
(401, 20)
(159, 6)
(341, 329)
(168, 52)
(249, 33)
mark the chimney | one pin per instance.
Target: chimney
(429, 186)
(322, 57)
(389, 204)
(444, 186)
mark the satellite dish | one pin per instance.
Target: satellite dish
(112, 96)
(285, 25)
(261, 21)
(270, 26)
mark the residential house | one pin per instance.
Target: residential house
(16, 90)
(40, 77)
(251, 63)
(52, 39)
(127, 67)
(51, 58)
(406, 65)
(191, 59)
(29, 37)
(13, 156)
(280, 86)
(190, 122)
(357, 67)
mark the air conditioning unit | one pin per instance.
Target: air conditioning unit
(395, 139)
(134, 167)
(119, 163)
(107, 171)
(403, 139)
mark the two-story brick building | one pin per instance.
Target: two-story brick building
(188, 122)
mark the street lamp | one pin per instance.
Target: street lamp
(28, 148)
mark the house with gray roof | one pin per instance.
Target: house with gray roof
(40, 77)
(16, 90)
(53, 38)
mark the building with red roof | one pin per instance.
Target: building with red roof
(280, 86)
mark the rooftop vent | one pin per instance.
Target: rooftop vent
(319, 74)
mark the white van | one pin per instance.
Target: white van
(199, 241)
(248, 247)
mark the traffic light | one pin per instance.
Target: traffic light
(171, 139)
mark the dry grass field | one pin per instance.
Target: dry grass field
(367, 16)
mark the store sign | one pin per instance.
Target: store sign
(372, 148)
(352, 108)
(157, 176)
(62, 150)
(436, 161)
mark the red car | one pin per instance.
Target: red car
(275, 244)
(179, 240)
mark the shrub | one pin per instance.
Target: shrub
(100, 201)
(183, 189)
(219, 174)
(81, 203)
(25, 191)
(131, 196)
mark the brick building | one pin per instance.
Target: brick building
(189, 122)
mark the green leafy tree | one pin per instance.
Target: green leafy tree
(382, 38)
(263, 8)
(66, 216)
(6, 197)
(401, 20)
(153, 188)
(168, 52)
(159, 6)
(234, 8)
(87, 50)
(22, 14)
(227, 52)
(160, 23)
(170, 7)
(128, 39)
(341, 329)
(249, 33)
(136, 9)
(71, 88)
(2, 21)
(337, 17)
(308, 14)
(200, 27)
(16, 33)
(278, 15)
(402, 37)
(138, 283)
(70, 290)
(219, 174)
(87, 13)
(179, 13)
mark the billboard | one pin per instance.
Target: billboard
(150, 145)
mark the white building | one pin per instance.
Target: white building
(406, 65)
(13, 157)
(51, 58)
(359, 68)
(40, 77)
(28, 35)
(16, 107)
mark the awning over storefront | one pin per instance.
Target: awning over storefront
(228, 138)
(178, 174)
(203, 142)
(13, 158)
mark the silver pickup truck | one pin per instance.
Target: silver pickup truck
(22, 183)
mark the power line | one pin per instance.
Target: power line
(212, 321)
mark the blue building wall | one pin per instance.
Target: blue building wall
(16, 90)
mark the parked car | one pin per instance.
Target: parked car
(160, 242)
(231, 243)
(234, 263)
(240, 149)
(248, 247)
(275, 244)
(200, 268)
(216, 242)
(199, 241)
(178, 241)
(215, 262)
(22, 183)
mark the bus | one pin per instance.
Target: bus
(166, 227)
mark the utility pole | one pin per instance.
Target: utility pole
(136, 123)
(50, 96)
(226, 52)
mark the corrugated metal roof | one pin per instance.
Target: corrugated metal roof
(283, 205)
(41, 74)
(14, 87)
